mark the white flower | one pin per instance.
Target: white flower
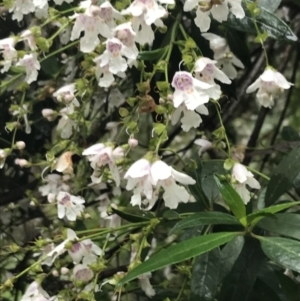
(243, 177)
(100, 155)
(59, 249)
(142, 176)
(69, 205)
(163, 175)
(189, 90)
(41, 8)
(35, 292)
(60, 2)
(86, 251)
(269, 85)
(32, 65)
(109, 14)
(146, 285)
(9, 53)
(92, 24)
(226, 59)
(66, 94)
(81, 272)
(144, 33)
(20, 8)
(54, 185)
(65, 124)
(27, 36)
(190, 118)
(139, 180)
(204, 145)
(218, 9)
(3, 155)
(126, 35)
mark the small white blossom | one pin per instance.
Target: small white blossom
(109, 14)
(3, 156)
(32, 65)
(146, 285)
(222, 53)
(66, 94)
(9, 53)
(91, 23)
(69, 206)
(64, 163)
(35, 292)
(189, 90)
(241, 177)
(21, 8)
(204, 145)
(100, 155)
(269, 84)
(217, 8)
(41, 8)
(86, 251)
(66, 125)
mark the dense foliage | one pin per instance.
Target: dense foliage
(150, 149)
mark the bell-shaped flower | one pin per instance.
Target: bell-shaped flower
(21, 8)
(146, 285)
(41, 8)
(241, 177)
(66, 125)
(100, 155)
(226, 60)
(3, 156)
(83, 273)
(9, 53)
(86, 251)
(189, 90)
(91, 23)
(163, 175)
(32, 65)
(109, 14)
(144, 33)
(139, 180)
(204, 145)
(218, 9)
(66, 94)
(190, 118)
(69, 206)
(269, 85)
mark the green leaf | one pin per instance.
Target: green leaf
(205, 218)
(266, 21)
(230, 254)
(289, 134)
(283, 251)
(286, 224)
(180, 252)
(152, 55)
(232, 199)
(238, 284)
(205, 276)
(51, 67)
(255, 217)
(132, 215)
(270, 5)
(284, 176)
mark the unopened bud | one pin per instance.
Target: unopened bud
(64, 270)
(32, 203)
(161, 101)
(132, 142)
(20, 145)
(49, 114)
(87, 215)
(55, 273)
(170, 97)
(21, 162)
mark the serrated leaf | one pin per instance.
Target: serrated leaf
(284, 176)
(205, 218)
(255, 217)
(283, 251)
(180, 252)
(205, 276)
(266, 21)
(286, 224)
(232, 199)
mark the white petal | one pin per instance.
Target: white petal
(182, 178)
(160, 171)
(253, 86)
(138, 169)
(239, 172)
(220, 12)
(202, 20)
(190, 120)
(175, 194)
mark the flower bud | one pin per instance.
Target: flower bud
(55, 273)
(132, 142)
(49, 114)
(20, 145)
(21, 162)
(64, 270)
